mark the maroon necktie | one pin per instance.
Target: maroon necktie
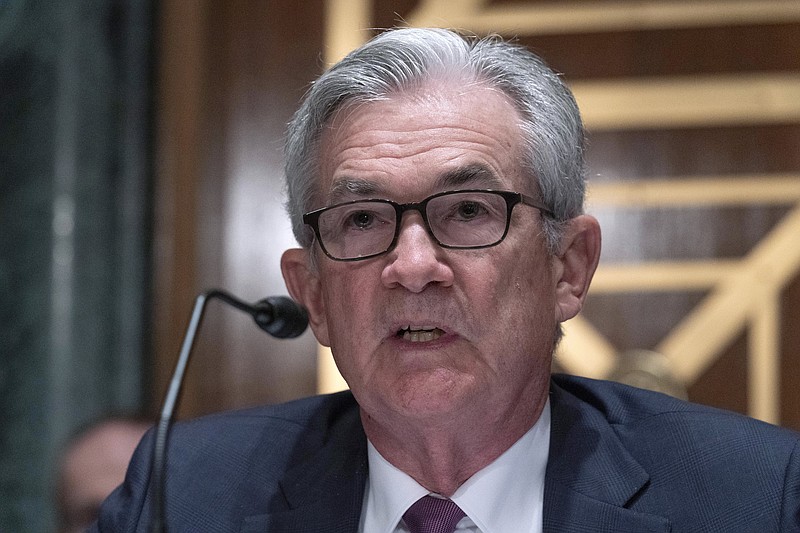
(433, 515)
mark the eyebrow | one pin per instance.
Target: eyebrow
(475, 174)
(348, 187)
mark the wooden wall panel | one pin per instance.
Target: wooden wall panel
(674, 52)
(230, 76)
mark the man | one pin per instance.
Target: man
(91, 467)
(436, 188)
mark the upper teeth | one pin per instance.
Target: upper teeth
(421, 334)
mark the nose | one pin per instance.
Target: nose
(416, 260)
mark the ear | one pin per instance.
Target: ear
(304, 286)
(576, 261)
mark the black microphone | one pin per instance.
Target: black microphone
(279, 316)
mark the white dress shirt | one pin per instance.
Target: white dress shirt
(505, 496)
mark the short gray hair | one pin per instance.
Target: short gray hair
(404, 58)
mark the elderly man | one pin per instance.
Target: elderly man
(436, 188)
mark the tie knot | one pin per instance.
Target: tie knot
(433, 515)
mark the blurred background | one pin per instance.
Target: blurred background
(140, 164)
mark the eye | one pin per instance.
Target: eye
(360, 217)
(360, 220)
(467, 210)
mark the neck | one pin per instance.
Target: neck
(442, 454)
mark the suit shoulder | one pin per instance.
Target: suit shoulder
(623, 406)
(230, 465)
(704, 469)
(323, 413)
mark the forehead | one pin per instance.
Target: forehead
(431, 138)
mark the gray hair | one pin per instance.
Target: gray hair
(401, 59)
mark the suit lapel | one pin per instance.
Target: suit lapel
(567, 511)
(591, 477)
(329, 502)
(324, 490)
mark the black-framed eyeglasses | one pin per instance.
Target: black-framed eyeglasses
(465, 219)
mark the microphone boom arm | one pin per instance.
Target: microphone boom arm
(279, 316)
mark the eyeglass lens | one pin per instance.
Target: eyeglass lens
(458, 219)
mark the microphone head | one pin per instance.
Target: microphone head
(281, 317)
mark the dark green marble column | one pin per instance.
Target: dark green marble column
(74, 232)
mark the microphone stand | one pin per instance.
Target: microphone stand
(279, 316)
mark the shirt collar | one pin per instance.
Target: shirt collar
(497, 498)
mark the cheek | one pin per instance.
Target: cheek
(524, 297)
(348, 298)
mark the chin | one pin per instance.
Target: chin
(433, 394)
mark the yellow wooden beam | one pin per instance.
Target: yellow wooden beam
(666, 276)
(328, 377)
(763, 391)
(689, 101)
(584, 351)
(347, 24)
(543, 18)
(713, 324)
(753, 189)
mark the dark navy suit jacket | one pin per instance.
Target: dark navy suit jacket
(621, 460)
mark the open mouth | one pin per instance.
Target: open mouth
(420, 333)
